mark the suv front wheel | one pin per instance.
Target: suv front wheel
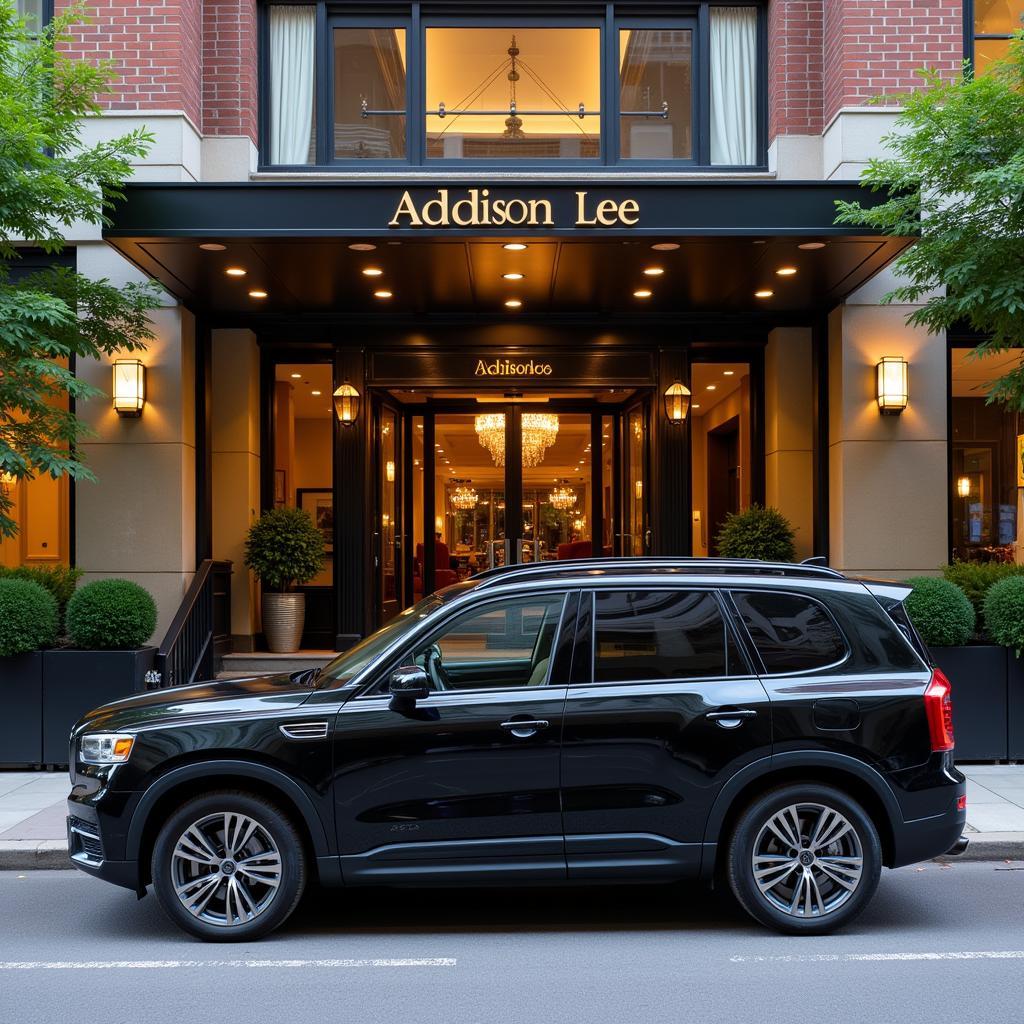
(804, 859)
(228, 866)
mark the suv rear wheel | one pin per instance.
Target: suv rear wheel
(228, 866)
(804, 859)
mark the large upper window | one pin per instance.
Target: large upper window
(612, 90)
(994, 22)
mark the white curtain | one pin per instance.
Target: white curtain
(292, 35)
(733, 85)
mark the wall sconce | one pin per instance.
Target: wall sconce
(677, 402)
(129, 387)
(389, 471)
(438, 524)
(346, 404)
(891, 387)
(963, 486)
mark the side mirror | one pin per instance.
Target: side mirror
(409, 684)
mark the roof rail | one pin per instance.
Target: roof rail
(735, 566)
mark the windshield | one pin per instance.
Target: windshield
(348, 665)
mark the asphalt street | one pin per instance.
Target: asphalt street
(938, 943)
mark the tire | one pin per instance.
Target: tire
(228, 895)
(832, 826)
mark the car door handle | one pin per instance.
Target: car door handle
(731, 719)
(524, 728)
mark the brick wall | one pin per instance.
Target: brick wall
(229, 67)
(794, 67)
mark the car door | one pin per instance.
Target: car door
(463, 784)
(663, 709)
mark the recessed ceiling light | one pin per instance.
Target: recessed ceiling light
(728, 373)
(257, 293)
(763, 293)
(513, 303)
(316, 392)
(513, 277)
(696, 405)
(212, 246)
(654, 271)
(362, 246)
(382, 293)
(372, 271)
(711, 387)
(811, 245)
(642, 293)
(296, 376)
(235, 272)
(786, 271)
(514, 246)
(665, 246)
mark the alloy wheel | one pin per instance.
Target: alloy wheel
(226, 869)
(807, 860)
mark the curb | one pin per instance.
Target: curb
(990, 846)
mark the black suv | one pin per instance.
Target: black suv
(778, 726)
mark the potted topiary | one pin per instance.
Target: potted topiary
(945, 619)
(284, 548)
(1004, 619)
(109, 624)
(757, 532)
(28, 622)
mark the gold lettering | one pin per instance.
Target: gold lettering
(607, 212)
(581, 211)
(498, 217)
(523, 212)
(406, 208)
(629, 210)
(470, 204)
(441, 203)
(537, 204)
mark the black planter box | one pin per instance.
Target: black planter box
(75, 682)
(980, 711)
(1015, 705)
(21, 715)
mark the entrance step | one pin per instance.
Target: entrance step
(263, 663)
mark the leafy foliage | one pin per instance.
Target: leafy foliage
(49, 180)
(283, 548)
(1004, 613)
(111, 615)
(956, 179)
(976, 578)
(59, 580)
(940, 611)
(757, 532)
(28, 617)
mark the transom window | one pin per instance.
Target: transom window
(362, 89)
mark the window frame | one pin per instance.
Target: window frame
(588, 621)
(416, 17)
(971, 36)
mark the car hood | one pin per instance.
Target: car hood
(211, 699)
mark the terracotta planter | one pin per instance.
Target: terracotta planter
(283, 618)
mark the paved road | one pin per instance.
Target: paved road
(598, 956)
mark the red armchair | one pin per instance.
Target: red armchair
(444, 574)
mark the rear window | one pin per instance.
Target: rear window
(791, 632)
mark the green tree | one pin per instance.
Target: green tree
(955, 173)
(49, 180)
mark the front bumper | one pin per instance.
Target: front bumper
(90, 851)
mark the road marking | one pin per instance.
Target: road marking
(821, 958)
(162, 965)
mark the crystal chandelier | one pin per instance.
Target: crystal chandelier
(463, 499)
(563, 498)
(539, 432)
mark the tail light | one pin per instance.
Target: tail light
(938, 706)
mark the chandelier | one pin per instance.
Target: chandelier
(463, 499)
(539, 432)
(563, 498)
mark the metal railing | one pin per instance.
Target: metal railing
(200, 632)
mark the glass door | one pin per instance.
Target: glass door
(635, 538)
(389, 520)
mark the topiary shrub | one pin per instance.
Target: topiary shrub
(59, 580)
(111, 615)
(283, 548)
(757, 532)
(1004, 613)
(28, 617)
(975, 579)
(940, 611)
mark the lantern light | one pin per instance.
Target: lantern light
(963, 486)
(346, 404)
(892, 390)
(677, 402)
(129, 387)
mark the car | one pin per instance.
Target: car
(778, 728)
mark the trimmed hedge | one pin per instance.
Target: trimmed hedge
(1004, 612)
(28, 617)
(975, 579)
(111, 615)
(940, 611)
(283, 547)
(59, 580)
(757, 532)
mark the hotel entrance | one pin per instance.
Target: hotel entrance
(467, 482)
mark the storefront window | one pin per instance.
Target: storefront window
(292, 85)
(994, 22)
(369, 93)
(31, 11)
(733, 60)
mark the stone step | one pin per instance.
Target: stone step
(258, 663)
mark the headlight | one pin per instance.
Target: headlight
(105, 747)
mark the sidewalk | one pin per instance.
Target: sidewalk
(32, 809)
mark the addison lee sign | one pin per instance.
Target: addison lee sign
(477, 207)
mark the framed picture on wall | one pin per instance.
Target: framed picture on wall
(318, 503)
(1020, 460)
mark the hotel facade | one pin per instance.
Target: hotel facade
(475, 284)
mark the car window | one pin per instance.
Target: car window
(661, 634)
(500, 645)
(792, 632)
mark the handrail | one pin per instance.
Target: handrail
(202, 623)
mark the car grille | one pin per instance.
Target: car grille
(85, 839)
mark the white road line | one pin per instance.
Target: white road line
(831, 958)
(161, 965)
